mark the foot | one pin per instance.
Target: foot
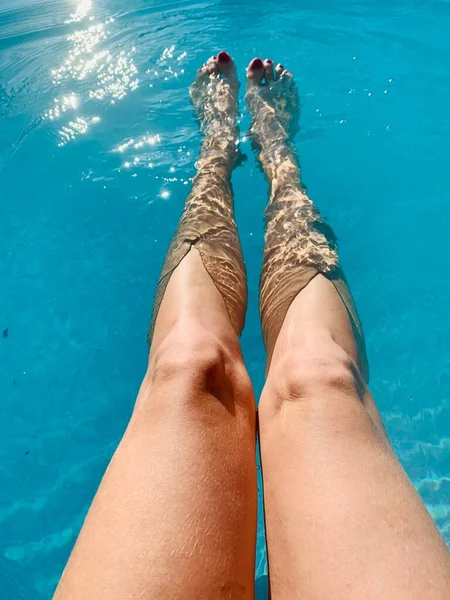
(276, 88)
(214, 93)
(273, 102)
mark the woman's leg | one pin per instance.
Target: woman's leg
(343, 521)
(175, 515)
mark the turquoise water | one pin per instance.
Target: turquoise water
(97, 147)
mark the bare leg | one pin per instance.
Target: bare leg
(175, 515)
(343, 521)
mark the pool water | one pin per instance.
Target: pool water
(97, 147)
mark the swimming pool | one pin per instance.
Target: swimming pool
(97, 146)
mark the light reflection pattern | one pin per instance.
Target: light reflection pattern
(107, 76)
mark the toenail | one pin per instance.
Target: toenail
(257, 63)
(269, 61)
(281, 67)
(224, 57)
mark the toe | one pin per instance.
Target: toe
(269, 70)
(279, 71)
(282, 73)
(224, 58)
(255, 71)
(211, 65)
(224, 63)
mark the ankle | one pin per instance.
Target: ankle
(283, 178)
(218, 152)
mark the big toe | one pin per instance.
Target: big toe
(225, 64)
(255, 72)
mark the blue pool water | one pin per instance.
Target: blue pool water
(97, 146)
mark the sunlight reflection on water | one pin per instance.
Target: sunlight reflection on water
(110, 76)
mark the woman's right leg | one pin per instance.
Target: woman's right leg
(343, 521)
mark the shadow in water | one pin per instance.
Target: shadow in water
(262, 588)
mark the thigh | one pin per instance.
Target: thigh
(342, 519)
(175, 514)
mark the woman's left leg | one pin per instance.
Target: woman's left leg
(175, 515)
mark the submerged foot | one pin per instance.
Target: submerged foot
(215, 90)
(214, 95)
(272, 98)
(271, 89)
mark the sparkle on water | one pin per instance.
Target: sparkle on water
(97, 150)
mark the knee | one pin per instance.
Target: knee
(187, 352)
(194, 359)
(316, 367)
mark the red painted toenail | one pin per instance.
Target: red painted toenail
(256, 64)
(224, 57)
(281, 67)
(269, 61)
